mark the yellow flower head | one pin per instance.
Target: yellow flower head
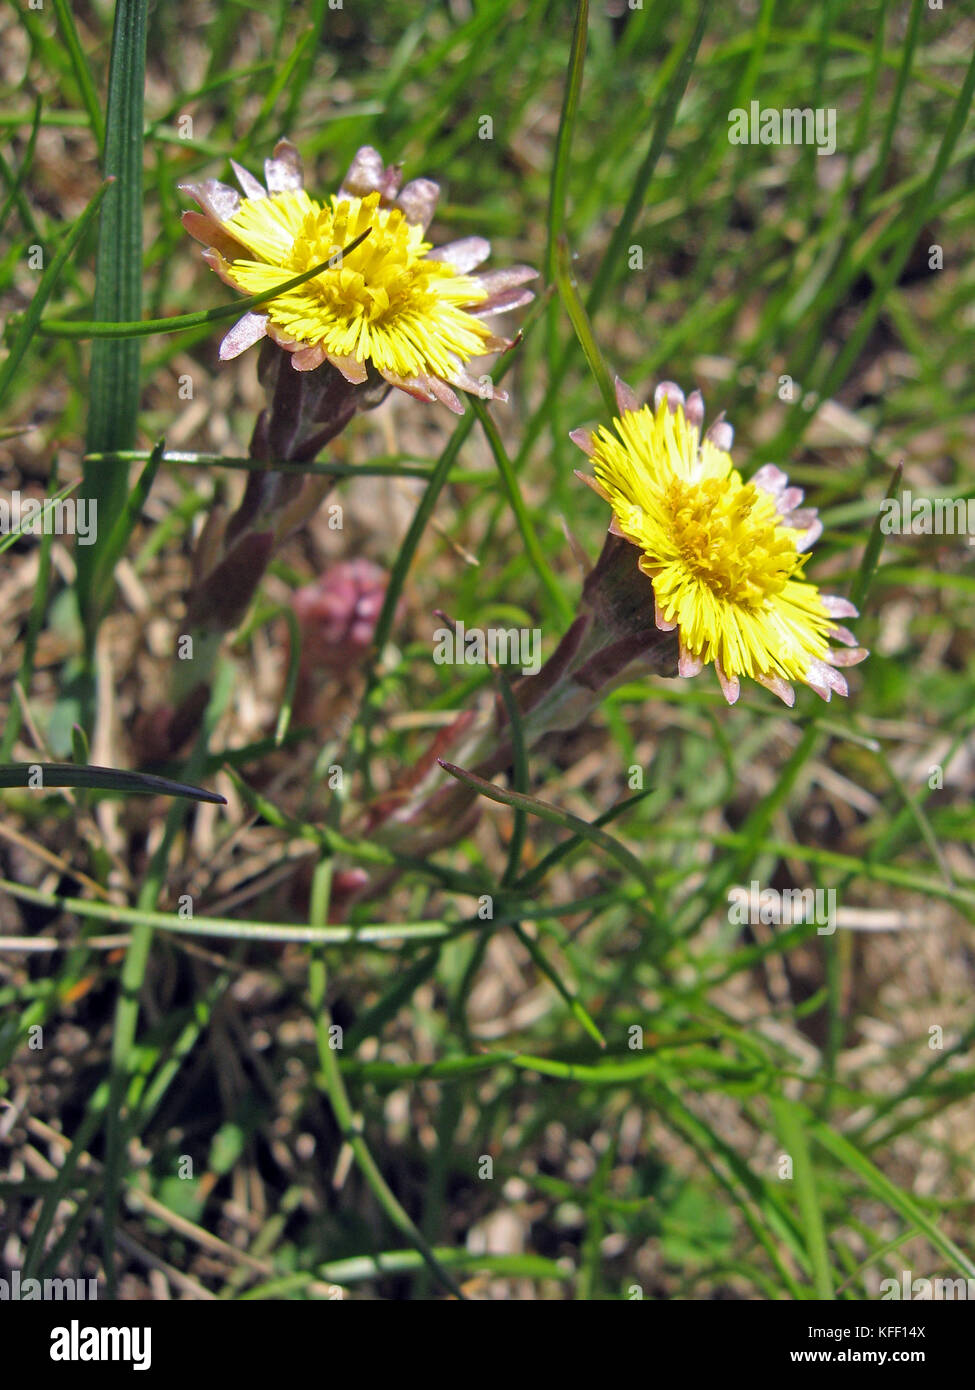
(725, 557)
(392, 305)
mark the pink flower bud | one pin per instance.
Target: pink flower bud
(338, 615)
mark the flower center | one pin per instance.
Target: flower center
(386, 301)
(728, 535)
(383, 276)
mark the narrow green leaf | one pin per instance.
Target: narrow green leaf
(291, 678)
(871, 555)
(881, 1186)
(28, 325)
(80, 752)
(357, 1268)
(910, 224)
(375, 468)
(544, 810)
(38, 608)
(578, 1010)
(113, 388)
(528, 881)
(82, 72)
(48, 509)
(99, 779)
(528, 533)
(15, 184)
(563, 142)
(666, 115)
(574, 307)
(178, 323)
(791, 1122)
(228, 928)
(113, 548)
(279, 83)
(519, 761)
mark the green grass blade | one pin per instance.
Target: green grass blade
(875, 544)
(882, 1187)
(42, 775)
(574, 307)
(545, 811)
(114, 378)
(791, 1123)
(28, 325)
(12, 723)
(519, 765)
(229, 929)
(563, 143)
(112, 550)
(48, 509)
(82, 72)
(528, 533)
(15, 194)
(179, 323)
(375, 468)
(666, 115)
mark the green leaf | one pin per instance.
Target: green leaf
(563, 142)
(576, 310)
(82, 72)
(228, 928)
(791, 1120)
(871, 555)
(528, 533)
(11, 728)
(881, 1186)
(178, 323)
(357, 1268)
(99, 779)
(15, 183)
(375, 468)
(28, 325)
(546, 811)
(112, 550)
(666, 115)
(291, 678)
(48, 509)
(113, 388)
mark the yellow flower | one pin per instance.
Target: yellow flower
(725, 557)
(392, 306)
